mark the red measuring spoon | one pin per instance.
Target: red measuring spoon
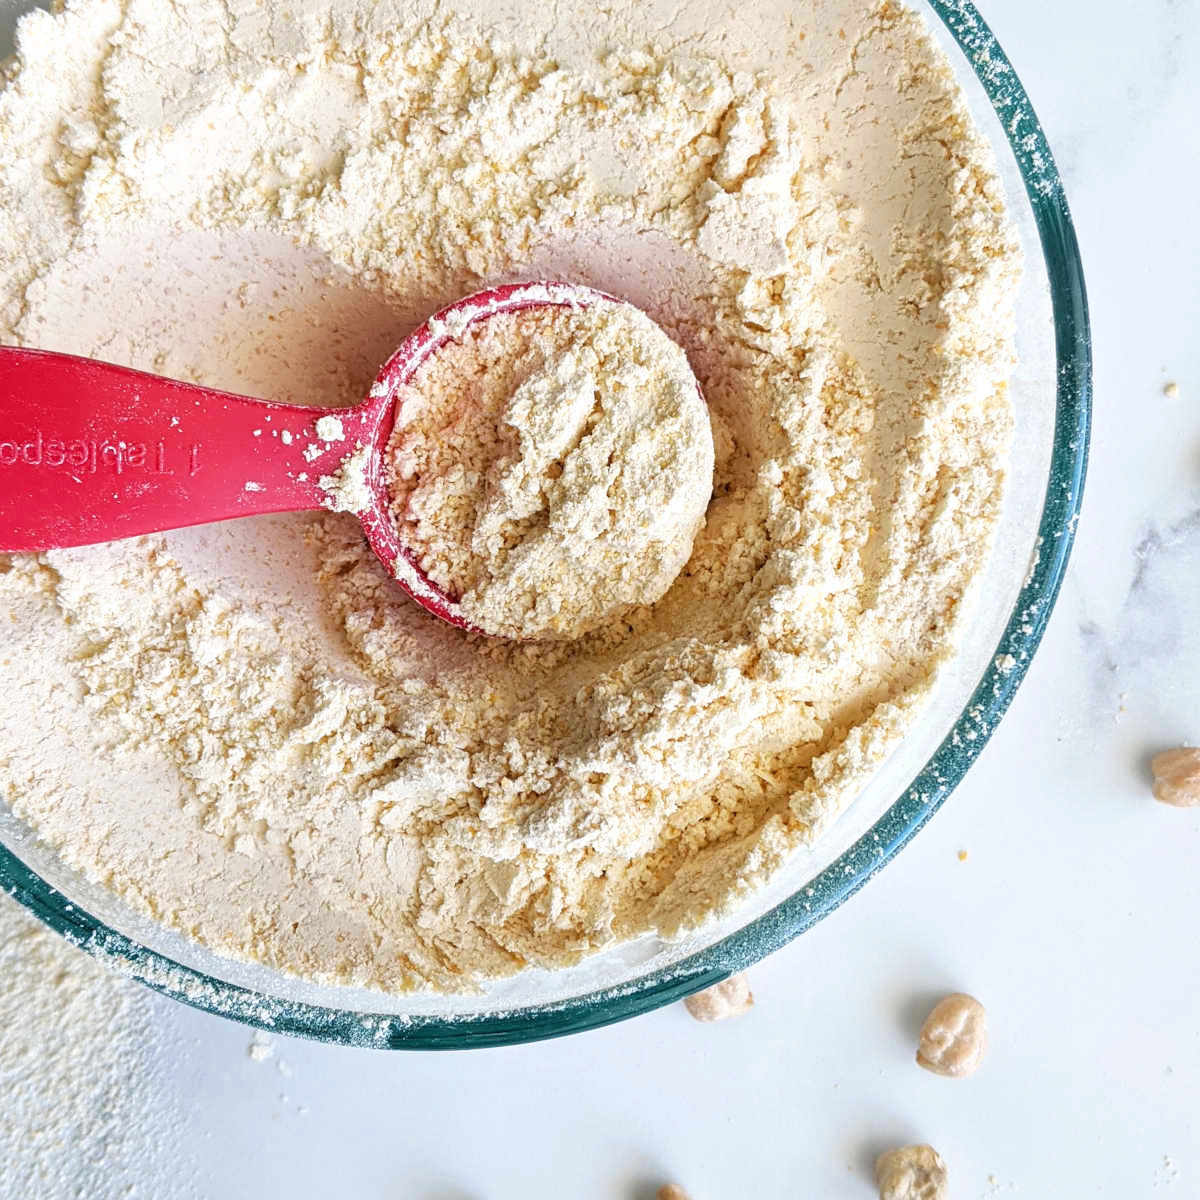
(91, 452)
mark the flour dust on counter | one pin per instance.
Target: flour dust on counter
(85, 1110)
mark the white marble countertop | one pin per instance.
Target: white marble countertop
(1074, 916)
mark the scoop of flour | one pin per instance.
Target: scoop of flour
(551, 468)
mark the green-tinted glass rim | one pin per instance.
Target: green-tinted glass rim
(851, 870)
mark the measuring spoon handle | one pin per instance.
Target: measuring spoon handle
(90, 452)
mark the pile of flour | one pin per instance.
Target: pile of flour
(247, 730)
(550, 468)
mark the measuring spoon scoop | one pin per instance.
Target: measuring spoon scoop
(91, 452)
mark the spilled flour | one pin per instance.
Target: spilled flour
(550, 469)
(83, 1112)
(347, 489)
(247, 730)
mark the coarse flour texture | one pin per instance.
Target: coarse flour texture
(550, 469)
(247, 730)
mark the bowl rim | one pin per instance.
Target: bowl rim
(869, 853)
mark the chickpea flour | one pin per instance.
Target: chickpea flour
(84, 1074)
(551, 468)
(247, 730)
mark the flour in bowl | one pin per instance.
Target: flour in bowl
(247, 730)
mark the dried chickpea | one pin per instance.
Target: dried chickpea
(912, 1173)
(672, 1191)
(954, 1036)
(1177, 777)
(729, 998)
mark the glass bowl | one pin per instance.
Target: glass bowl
(1051, 394)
